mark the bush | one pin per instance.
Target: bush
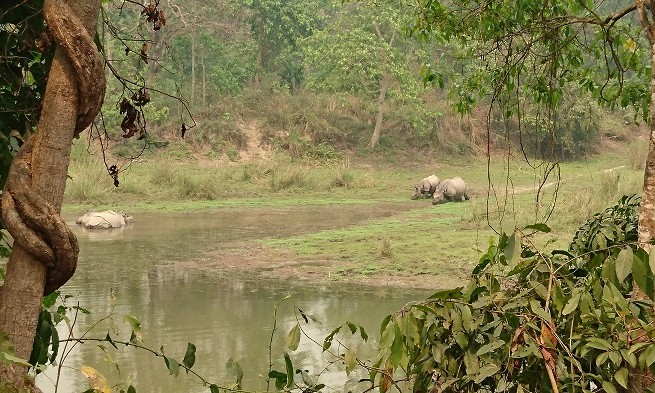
(531, 320)
(286, 180)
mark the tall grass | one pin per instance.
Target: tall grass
(636, 154)
(580, 199)
(284, 179)
(88, 184)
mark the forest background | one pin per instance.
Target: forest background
(339, 87)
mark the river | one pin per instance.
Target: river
(224, 315)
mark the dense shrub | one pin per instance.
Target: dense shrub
(530, 320)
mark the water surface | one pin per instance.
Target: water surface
(224, 315)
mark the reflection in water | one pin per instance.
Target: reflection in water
(225, 317)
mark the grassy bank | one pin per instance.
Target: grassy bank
(436, 240)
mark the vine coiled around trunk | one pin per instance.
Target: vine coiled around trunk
(34, 223)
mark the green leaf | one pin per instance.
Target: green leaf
(651, 260)
(492, 346)
(608, 271)
(363, 334)
(608, 387)
(648, 355)
(462, 340)
(213, 388)
(133, 321)
(621, 377)
(172, 365)
(54, 344)
(136, 328)
(293, 338)
(280, 379)
(486, 372)
(327, 342)
(14, 359)
(615, 357)
(49, 300)
(513, 250)
(385, 321)
(573, 302)
(643, 276)
(599, 343)
(629, 357)
(539, 227)
(471, 363)
(624, 264)
(190, 356)
(289, 366)
(396, 347)
(352, 327)
(539, 288)
(602, 358)
(454, 293)
(467, 319)
(536, 308)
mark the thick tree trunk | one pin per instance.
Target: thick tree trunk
(639, 382)
(20, 298)
(384, 86)
(647, 207)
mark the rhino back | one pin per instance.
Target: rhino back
(433, 180)
(454, 188)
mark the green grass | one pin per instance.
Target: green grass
(425, 240)
(448, 239)
(445, 239)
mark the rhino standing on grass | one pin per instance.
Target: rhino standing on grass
(451, 190)
(425, 188)
(104, 220)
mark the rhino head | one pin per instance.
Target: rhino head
(439, 196)
(417, 193)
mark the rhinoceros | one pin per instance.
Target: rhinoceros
(104, 220)
(425, 188)
(453, 190)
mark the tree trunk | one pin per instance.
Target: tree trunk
(384, 86)
(638, 382)
(193, 68)
(204, 78)
(260, 56)
(647, 208)
(20, 298)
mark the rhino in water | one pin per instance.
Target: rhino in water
(104, 220)
(451, 190)
(425, 188)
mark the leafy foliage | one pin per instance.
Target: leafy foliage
(277, 27)
(524, 53)
(24, 63)
(530, 321)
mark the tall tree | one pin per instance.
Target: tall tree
(278, 25)
(365, 52)
(45, 251)
(537, 48)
